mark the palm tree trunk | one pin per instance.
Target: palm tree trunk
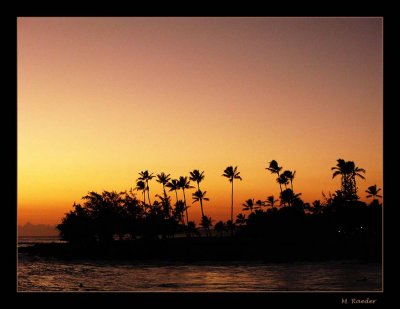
(232, 210)
(184, 201)
(201, 201)
(280, 186)
(201, 207)
(165, 197)
(165, 193)
(202, 212)
(148, 192)
(176, 194)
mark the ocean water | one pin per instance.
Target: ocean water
(24, 241)
(48, 274)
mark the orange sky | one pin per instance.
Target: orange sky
(100, 99)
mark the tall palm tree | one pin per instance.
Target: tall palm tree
(248, 205)
(373, 192)
(232, 174)
(275, 169)
(141, 186)
(290, 176)
(340, 169)
(183, 184)
(354, 171)
(163, 179)
(199, 196)
(173, 185)
(198, 177)
(146, 177)
(348, 172)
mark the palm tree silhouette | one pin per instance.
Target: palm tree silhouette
(248, 205)
(282, 180)
(163, 179)
(220, 227)
(259, 204)
(192, 229)
(340, 169)
(271, 201)
(348, 172)
(290, 176)
(275, 169)
(241, 219)
(373, 192)
(146, 177)
(354, 172)
(166, 205)
(132, 203)
(231, 226)
(178, 211)
(141, 186)
(199, 196)
(288, 196)
(317, 207)
(183, 184)
(232, 174)
(173, 185)
(198, 177)
(206, 222)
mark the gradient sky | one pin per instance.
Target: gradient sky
(100, 99)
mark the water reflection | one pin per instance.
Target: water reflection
(54, 275)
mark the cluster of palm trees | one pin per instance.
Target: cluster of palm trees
(120, 213)
(348, 191)
(182, 183)
(284, 178)
(250, 205)
(287, 196)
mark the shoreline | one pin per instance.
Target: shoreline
(211, 249)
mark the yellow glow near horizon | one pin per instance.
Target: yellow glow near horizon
(101, 99)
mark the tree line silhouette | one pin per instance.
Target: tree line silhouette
(112, 216)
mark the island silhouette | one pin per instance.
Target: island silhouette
(121, 225)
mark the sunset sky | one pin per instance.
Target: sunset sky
(101, 99)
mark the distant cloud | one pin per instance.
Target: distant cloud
(37, 230)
